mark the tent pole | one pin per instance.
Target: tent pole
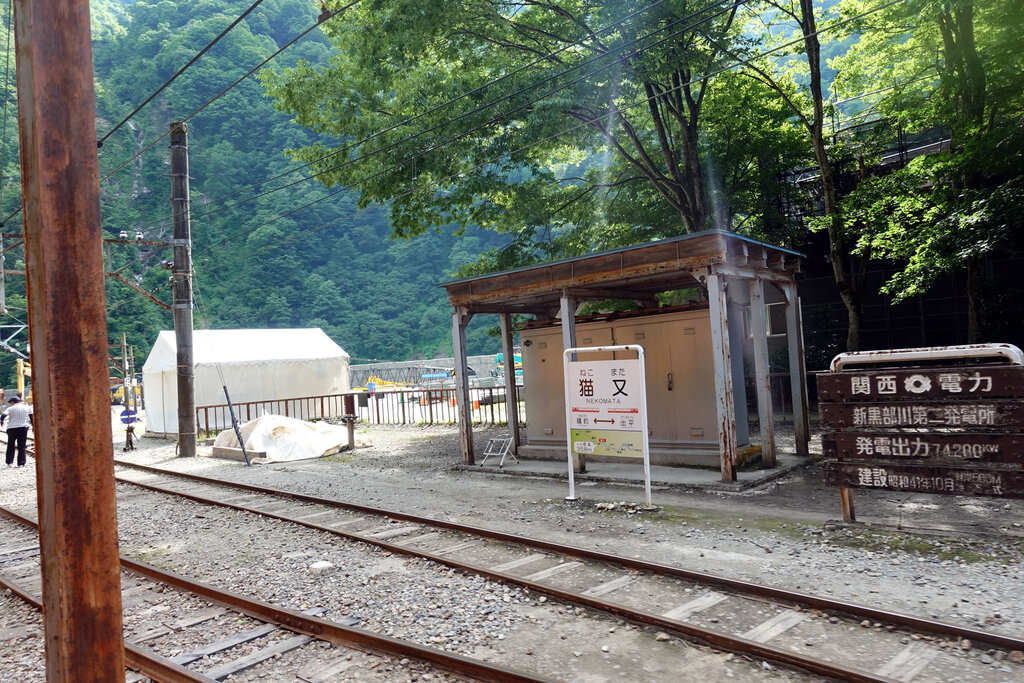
(234, 424)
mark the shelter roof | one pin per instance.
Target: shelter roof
(637, 272)
(223, 347)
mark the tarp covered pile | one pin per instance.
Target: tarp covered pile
(284, 439)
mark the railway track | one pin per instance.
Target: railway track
(238, 632)
(827, 637)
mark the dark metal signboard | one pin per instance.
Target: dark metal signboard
(947, 429)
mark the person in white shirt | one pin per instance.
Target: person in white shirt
(20, 415)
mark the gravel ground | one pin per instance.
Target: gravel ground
(957, 559)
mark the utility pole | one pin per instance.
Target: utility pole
(81, 571)
(181, 275)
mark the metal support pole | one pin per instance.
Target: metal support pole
(722, 362)
(759, 332)
(511, 390)
(567, 312)
(81, 574)
(797, 368)
(182, 288)
(461, 318)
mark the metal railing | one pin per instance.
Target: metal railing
(401, 406)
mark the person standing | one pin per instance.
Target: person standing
(20, 415)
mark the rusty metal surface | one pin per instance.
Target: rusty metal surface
(955, 449)
(999, 483)
(948, 383)
(68, 336)
(999, 414)
(818, 602)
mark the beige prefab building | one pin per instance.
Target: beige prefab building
(681, 403)
(693, 354)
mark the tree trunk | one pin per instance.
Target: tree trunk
(849, 290)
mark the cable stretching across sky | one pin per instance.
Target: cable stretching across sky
(553, 136)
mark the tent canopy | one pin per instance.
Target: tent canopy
(254, 365)
(233, 347)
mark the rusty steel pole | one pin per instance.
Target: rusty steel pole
(182, 288)
(84, 640)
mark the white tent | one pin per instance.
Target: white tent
(255, 365)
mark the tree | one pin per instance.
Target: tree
(958, 66)
(575, 80)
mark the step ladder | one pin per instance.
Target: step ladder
(500, 448)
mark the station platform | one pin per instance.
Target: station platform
(633, 473)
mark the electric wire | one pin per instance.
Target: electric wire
(494, 119)
(223, 92)
(556, 135)
(478, 109)
(243, 15)
(450, 102)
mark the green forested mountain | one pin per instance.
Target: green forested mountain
(488, 135)
(294, 257)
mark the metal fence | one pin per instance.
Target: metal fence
(437, 406)
(403, 406)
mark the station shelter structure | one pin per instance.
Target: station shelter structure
(694, 351)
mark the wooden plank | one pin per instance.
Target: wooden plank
(609, 586)
(457, 547)
(959, 383)
(234, 640)
(925, 479)
(909, 662)
(780, 623)
(430, 535)
(514, 564)
(553, 571)
(394, 532)
(923, 415)
(948, 448)
(249, 661)
(320, 673)
(683, 612)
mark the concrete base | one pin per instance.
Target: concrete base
(236, 453)
(674, 455)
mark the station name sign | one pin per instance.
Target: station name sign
(955, 430)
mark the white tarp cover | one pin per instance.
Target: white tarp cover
(255, 365)
(284, 439)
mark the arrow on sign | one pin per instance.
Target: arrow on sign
(611, 422)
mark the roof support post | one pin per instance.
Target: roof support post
(759, 332)
(721, 360)
(460, 319)
(567, 312)
(511, 391)
(81, 574)
(797, 367)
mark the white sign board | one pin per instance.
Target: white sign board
(605, 408)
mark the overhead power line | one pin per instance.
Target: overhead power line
(322, 18)
(553, 136)
(490, 83)
(494, 119)
(180, 71)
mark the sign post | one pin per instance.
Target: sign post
(924, 420)
(606, 409)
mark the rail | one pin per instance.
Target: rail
(398, 406)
